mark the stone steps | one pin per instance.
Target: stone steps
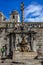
(25, 58)
(26, 62)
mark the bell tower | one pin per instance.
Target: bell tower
(14, 16)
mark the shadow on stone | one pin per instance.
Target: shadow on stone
(17, 62)
(41, 62)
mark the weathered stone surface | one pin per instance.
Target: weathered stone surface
(25, 62)
(24, 55)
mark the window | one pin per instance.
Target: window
(13, 17)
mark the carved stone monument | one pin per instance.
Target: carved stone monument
(23, 45)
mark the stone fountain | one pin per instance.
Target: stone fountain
(23, 52)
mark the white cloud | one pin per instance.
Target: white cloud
(33, 13)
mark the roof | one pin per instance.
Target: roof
(14, 12)
(1, 14)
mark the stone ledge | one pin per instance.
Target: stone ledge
(24, 55)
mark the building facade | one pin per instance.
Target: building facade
(13, 31)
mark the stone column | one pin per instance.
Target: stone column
(34, 45)
(30, 35)
(31, 42)
(10, 45)
(14, 39)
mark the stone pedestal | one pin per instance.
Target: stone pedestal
(21, 56)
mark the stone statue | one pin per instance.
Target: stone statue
(24, 45)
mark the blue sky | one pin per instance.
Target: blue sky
(33, 9)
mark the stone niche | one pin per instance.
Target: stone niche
(23, 52)
(23, 46)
